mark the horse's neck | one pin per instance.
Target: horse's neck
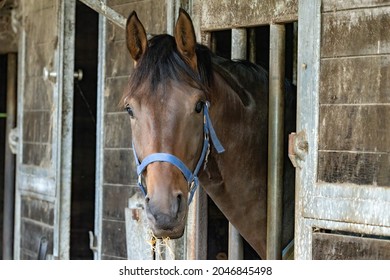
(236, 179)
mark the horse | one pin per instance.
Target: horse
(199, 119)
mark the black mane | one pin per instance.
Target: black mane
(162, 62)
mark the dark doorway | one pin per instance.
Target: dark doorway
(84, 132)
(218, 225)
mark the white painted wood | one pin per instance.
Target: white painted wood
(309, 31)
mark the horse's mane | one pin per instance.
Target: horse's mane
(244, 77)
(162, 62)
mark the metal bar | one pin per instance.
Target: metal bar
(9, 161)
(295, 53)
(170, 16)
(102, 8)
(236, 246)
(65, 120)
(21, 78)
(252, 45)
(196, 230)
(275, 141)
(98, 230)
(201, 224)
(239, 39)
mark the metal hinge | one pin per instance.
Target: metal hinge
(297, 148)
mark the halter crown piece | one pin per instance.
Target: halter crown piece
(191, 177)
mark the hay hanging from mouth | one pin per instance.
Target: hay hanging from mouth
(160, 246)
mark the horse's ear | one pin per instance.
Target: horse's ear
(136, 39)
(185, 38)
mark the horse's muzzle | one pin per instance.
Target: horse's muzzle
(167, 222)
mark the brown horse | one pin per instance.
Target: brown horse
(178, 94)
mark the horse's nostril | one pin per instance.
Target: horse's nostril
(147, 199)
(179, 199)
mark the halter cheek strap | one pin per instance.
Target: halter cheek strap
(191, 177)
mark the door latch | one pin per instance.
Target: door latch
(297, 148)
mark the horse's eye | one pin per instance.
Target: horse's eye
(199, 106)
(130, 111)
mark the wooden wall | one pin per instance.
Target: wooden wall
(8, 36)
(330, 246)
(37, 213)
(342, 184)
(119, 178)
(354, 127)
(217, 15)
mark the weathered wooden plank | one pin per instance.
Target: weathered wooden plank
(336, 5)
(113, 91)
(350, 204)
(114, 241)
(38, 56)
(119, 2)
(327, 246)
(356, 168)
(36, 209)
(355, 80)
(38, 94)
(149, 12)
(8, 38)
(355, 128)
(39, 5)
(383, 175)
(244, 13)
(118, 61)
(117, 130)
(285, 11)
(216, 15)
(107, 12)
(116, 200)
(37, 137)
(309, 32)
(356, 32)
(37, 154)
(119, 167)
(37, 126)
(41, 25)
(32, 234)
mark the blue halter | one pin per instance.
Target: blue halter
(191, 177)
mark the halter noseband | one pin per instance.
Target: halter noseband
(191, 177)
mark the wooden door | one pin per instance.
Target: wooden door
(42, 210)
(343, 179)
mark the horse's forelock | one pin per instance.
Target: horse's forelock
(162, 63)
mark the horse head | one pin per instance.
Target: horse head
(167, 100)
